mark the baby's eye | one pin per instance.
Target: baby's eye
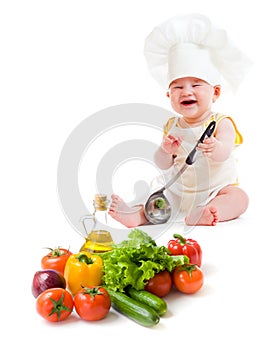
(196, 85)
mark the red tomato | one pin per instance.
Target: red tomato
(54, 304)
(188, 278)
(160, 284)
(92, 303)
(56, 259)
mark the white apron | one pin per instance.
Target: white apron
(202, 180)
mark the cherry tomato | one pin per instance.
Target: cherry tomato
(56, 259)
(160, 284)
(188, 278)
(92, 303)
(55, 304)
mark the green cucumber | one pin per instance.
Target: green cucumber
(156, 303)
(133, 309)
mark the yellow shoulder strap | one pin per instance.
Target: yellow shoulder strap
(218, 117)
(168, 125)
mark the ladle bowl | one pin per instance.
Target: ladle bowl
(158, 208)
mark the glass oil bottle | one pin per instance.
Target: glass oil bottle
(99, 240)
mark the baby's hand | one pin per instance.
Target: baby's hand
(170, 144)
(208, 146)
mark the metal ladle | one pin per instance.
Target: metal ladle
(157, 209)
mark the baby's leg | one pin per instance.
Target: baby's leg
(128, 216)
(229, 204)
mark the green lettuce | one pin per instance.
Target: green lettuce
(136, 238)
(133, 262)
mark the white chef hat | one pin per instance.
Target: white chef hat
(191, 45)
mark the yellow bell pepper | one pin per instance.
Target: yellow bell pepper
(83, 269)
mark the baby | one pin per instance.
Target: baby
(207, 191)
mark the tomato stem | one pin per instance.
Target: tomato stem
(92, 291)
(188, 268)
(58, 306)
(56, 252)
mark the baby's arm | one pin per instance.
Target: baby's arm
(164, 155)
(219, 147)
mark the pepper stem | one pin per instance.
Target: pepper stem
(180, 237)
(85, 259)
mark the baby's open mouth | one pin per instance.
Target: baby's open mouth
(188, 102)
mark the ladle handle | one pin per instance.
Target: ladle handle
(208, 132)
(171, 181)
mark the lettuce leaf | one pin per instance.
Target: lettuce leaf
(133, 262)
(136, 237)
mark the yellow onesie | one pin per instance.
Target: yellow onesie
(202, 180)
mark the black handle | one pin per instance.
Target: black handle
(208, 132)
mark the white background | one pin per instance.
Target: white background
(62, 61)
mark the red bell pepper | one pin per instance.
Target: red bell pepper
(189, 247)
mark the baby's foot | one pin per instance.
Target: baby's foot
(207, 216)
(128, 216)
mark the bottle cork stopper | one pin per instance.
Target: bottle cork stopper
(100, 201)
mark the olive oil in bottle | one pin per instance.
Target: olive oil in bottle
(99, 240)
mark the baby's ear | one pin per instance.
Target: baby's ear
(217, 92)
(167, 94)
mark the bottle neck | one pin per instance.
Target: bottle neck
(100, 216)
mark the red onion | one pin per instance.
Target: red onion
(46, 279)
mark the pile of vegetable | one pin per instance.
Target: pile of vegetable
(132, 278)
(135, 261)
